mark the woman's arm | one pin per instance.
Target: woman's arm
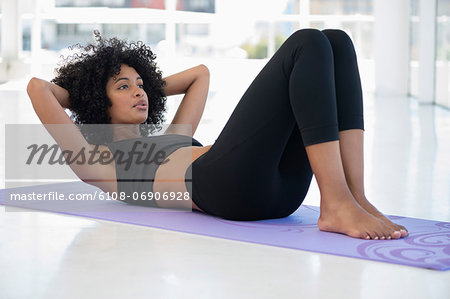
(194, 84)
(49, 101)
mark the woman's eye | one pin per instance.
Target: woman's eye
(123, 87)
(141, 86)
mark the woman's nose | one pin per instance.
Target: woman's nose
(139, 92)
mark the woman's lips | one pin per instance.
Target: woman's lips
(142, 105)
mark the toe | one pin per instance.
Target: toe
(383, 231)
(371, 235)
(401, 229)
(396, 235)
(403, 233)
(378, 232)
(392, 233)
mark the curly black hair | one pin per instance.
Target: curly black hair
(84, 75)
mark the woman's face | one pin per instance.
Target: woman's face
(128, 97)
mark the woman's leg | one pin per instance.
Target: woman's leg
(339, 211)
(352, 153)
(350, 117)
(322, 103)
(240, 179)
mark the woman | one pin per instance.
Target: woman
(302, 114)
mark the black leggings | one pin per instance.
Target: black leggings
(258, 167)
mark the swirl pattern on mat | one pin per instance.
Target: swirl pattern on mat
(431, 249)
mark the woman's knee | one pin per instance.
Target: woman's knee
(311, 38)
(338, 37)
(309, 35)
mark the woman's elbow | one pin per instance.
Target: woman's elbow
(31, 84)
(34, 84)
(204, 70)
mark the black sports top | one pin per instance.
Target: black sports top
(137, 160)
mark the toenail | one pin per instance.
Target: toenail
(376, 238)
(383, 237)
(389, 237)
(368, 237)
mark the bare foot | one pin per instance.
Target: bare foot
(366, 205)
(346, 216)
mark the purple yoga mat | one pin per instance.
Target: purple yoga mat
(427, 246)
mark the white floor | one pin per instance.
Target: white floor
(407, 156)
